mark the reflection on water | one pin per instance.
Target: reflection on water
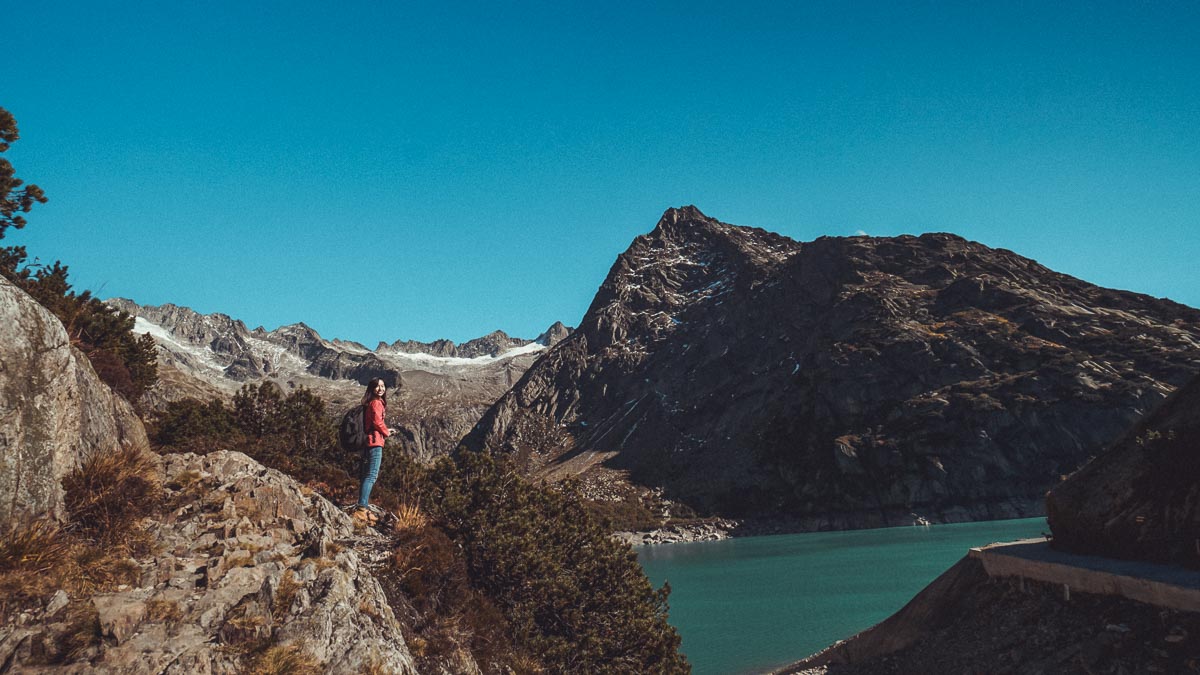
(747, 605)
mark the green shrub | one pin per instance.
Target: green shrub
(624, 515)
(575, 598)
(189, 419)
(293, 433)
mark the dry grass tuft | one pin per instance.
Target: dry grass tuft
(240, 559)
(325, 563)
(285, 595)
(105, 498)
(245, 629)
(35, 560)
(367, 609)
(374, 666)
(33, 549)
(100, 568)
(287, 659)
(110, 492)
(185, 480)
(524, 664)
(409, 516)
(164, 611)
(82, 631)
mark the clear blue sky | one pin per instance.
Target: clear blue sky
(387, 170)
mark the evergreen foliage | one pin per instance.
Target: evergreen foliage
(14, 199)
(190, 420)
(124, 361)
(574, 596)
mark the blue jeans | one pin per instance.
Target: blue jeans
(370, 471)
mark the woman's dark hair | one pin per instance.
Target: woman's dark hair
(371, 391)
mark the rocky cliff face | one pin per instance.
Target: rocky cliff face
(843, 382)
(444, 387)
(246, 562)
(54, 410)
(1138, 499)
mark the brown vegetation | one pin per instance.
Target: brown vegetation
(107, 497)
(110, 493)
(286, 659)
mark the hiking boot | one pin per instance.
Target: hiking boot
(364, 516)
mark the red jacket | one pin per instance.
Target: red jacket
(373, 422)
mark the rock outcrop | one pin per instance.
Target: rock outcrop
(247, 560)
(54, 410)
(1138, 500)
(844, 382)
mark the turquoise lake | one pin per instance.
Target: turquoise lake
(748, 605)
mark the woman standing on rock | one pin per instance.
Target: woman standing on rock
(374, 406)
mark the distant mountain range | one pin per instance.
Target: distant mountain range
(843, 382)
(443, 387)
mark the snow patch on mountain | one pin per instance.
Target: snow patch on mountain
(202, 356)
(418, 360)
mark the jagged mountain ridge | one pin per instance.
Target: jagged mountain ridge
(219, 342)
(493, 344)
(441, 395)
(846, 382)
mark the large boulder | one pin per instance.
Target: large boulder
(54, 410)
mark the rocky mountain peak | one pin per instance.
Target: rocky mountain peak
(682, 218)
(687, 262)
(553, 335)
(493, 344)
(186, 324)
(349, 344)
(744, 372)
(300, 330)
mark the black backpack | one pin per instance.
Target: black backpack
(352, 432)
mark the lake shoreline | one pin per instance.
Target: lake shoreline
(717, 529)
(753, 604)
